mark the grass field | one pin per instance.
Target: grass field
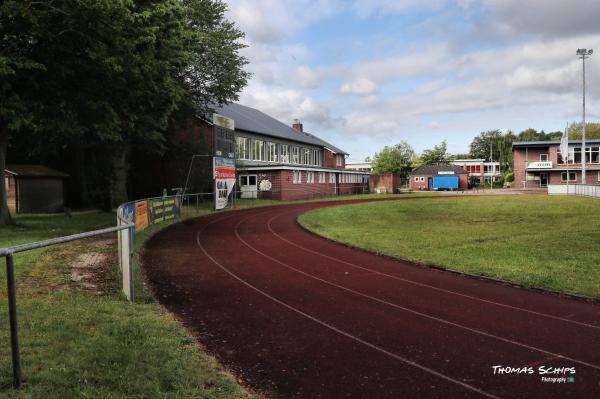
(75, 344)
(537, 241)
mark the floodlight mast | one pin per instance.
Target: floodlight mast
(583, 53)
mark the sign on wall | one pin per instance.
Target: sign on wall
(224, 175)
(141, 215)
(223, 128)
(162, 209)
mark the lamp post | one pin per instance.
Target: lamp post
(583, 53)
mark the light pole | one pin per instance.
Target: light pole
(583, 54)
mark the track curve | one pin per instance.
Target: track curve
(295, 315)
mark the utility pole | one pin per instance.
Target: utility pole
(583, 54)
(491, 168)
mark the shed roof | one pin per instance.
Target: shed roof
(33, 171)
(436, 169)
(255, 121)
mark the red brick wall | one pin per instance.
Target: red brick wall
(390, 181)
(419, 185)
(328, 159)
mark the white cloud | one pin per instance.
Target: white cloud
(361, 87)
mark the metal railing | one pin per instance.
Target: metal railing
(9, 253)
(585, 190)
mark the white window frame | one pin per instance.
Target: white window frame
(331, 177)
(284, 156)
(543, 157)
(295, 155)
(562, 175)
(321, 177)
(338, 159)
(297, 179)
(310, 177)
(242, 148)
(270, 152)
(260, 146)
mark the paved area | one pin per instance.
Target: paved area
(297, 316)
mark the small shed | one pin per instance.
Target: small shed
(422, 178)
(34, 189)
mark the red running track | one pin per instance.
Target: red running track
(294, 315)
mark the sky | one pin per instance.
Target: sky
(363, 74)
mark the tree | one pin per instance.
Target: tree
(592, 130)
(437, 155)
(500, 146)
(107, 75)
(396, 159)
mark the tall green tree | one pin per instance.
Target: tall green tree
(437, 155)
(107, 75)
(493, 145)
(396, 159)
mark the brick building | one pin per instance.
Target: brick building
(539, 163)
(480, 169)
(422, 177)
(274, 160)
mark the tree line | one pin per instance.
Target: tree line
(489, 145)
(95, 84)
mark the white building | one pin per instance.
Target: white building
(479, 168)
(361, 166)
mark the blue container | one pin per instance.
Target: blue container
(445, 182)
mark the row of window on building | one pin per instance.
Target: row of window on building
(259, 150)
(323, 178)
(592, 155)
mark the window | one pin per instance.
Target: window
(242, 147)
(258, 153)
(316, 158)
(421, 179)
(339, 160)
(305, 156)
(572, 176)
(297, 177)
(310, 177)
(271, 154)
(543, 157)
(321, 177)
(296, 155)
(284, 156)
(331, 177)
(416, 179)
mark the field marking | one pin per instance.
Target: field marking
(341, 332)
(423, 284)
(425, 315)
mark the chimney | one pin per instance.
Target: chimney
(297, 125)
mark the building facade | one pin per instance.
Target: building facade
(480, 169)
(361, 166)
(539, 163)
(277, 161)
(423, 177)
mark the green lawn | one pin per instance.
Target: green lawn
(538, 241)
(77, 344)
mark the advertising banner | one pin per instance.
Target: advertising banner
(224, 175)
(162, 209)
(141, 215)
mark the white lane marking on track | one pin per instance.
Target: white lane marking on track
(507, 340)
(423, 284)
(341, 332)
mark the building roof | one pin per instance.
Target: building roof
(255, 121)
(436, 169)
(552, 142)
(33, 171)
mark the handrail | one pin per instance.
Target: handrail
(53, 241)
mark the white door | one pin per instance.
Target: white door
(248, 186)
